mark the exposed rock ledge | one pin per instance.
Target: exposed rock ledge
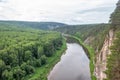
(101, 60)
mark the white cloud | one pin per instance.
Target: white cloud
(68, 11)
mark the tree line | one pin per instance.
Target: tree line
(113, 66)
(22, 50)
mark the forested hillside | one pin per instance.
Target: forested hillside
(35, 25)
(95, 35)
(113, 72)
(28, 52)
(92, 34)
(24, 49)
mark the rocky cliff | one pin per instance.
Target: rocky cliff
(101, 58)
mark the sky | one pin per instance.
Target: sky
(65, 11)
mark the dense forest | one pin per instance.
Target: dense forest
(92, 34)
(24, 49)
(113, 72)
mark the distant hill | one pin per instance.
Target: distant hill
(91, 34)
(35, 25)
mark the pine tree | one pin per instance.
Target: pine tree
(113, 66)
(115, 17)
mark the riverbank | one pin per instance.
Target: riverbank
(89, 52)
(71, 65)
(42, 72)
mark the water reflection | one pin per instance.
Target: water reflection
(74, 65)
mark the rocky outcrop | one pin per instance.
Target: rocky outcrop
(89, 40)
(101, 58)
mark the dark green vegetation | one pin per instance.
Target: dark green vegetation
(113, 72)
(92, 34)
(22, 50)
(35, 25)
(115, 17)
(41, 73)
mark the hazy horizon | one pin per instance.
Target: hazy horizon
(64, 11)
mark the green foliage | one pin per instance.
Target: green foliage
(2, 67)
(27, 68)
(27, 56)
(38, 63)
(113, 72)
(113, 66)
(18, 73)
(24, 49)
(40, 51)
(7, 75)
(49, 49)
(41, 73)
(43, 59)
(95, 32)
(115, 17)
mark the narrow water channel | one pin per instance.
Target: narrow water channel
(74, 65)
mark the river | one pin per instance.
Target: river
(74, 65)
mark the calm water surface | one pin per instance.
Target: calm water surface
(74, 65)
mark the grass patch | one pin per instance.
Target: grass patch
(42, 72)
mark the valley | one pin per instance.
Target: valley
(32, 50)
